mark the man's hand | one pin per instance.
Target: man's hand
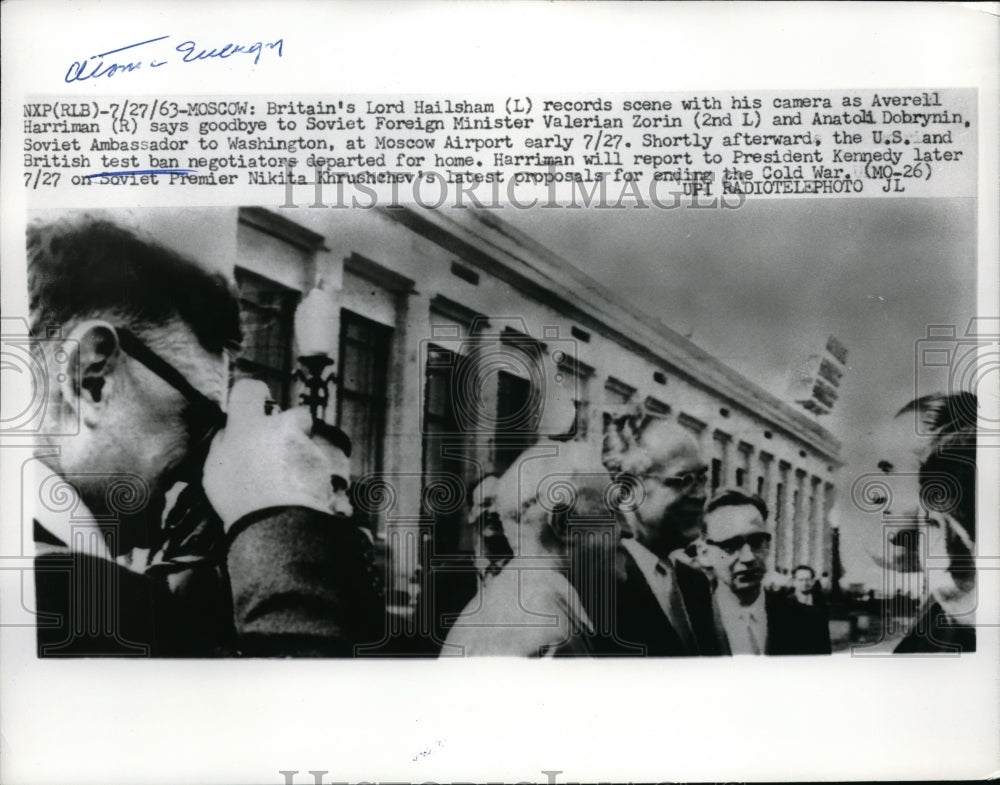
(262, 461)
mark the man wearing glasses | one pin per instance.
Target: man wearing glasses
(663, 606)
(751, 620)
(133, 338)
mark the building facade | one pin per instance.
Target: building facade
(457, 339)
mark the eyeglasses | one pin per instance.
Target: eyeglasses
(207, 414)
(695, 479)
(757, 541)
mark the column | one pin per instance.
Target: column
(781, 507)
(800, 526)
(404, 442)
(721, 451)
(818, 527)
(829, 494)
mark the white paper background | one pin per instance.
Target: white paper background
(235, 721)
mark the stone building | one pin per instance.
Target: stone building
(456, 338)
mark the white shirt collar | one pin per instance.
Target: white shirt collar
(745, 625)
(649, 564)
(730, 605)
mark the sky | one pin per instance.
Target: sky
(762, 287)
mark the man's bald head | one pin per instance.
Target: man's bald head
(548, 494)
(662, 462)
(659, 444)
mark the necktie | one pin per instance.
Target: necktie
(675, 608)
(755, 647)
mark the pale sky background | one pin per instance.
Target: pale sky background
(763, 286)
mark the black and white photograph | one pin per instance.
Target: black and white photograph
(541, 392)
(420, 433)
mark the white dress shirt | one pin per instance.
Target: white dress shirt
(745, 625)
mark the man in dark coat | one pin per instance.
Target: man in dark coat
(793, 628)
(686, 628)
(134, 339)
(750, 620)
(662, 606)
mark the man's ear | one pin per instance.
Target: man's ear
(93, 353)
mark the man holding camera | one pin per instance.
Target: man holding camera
(134, 407)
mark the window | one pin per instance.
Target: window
(576, 382)
(267, 311)
(722, 468)
(617, 392)
(780, 500)
(447, 445)
(657, 407)
(361, 399)
(514, 423)
(582, 414)
(692, 424)
(760, 487)
(744, 471)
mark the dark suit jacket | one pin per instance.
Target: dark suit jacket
(794, 628)
(641, 628)
(300, 583)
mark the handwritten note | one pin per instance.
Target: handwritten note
(154, 53)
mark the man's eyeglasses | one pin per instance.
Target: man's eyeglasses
(757, 541)
(207, 414)
(695, 479)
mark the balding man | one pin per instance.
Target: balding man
(663, 606)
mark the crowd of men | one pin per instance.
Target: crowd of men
(603, 555)
(201, 525)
